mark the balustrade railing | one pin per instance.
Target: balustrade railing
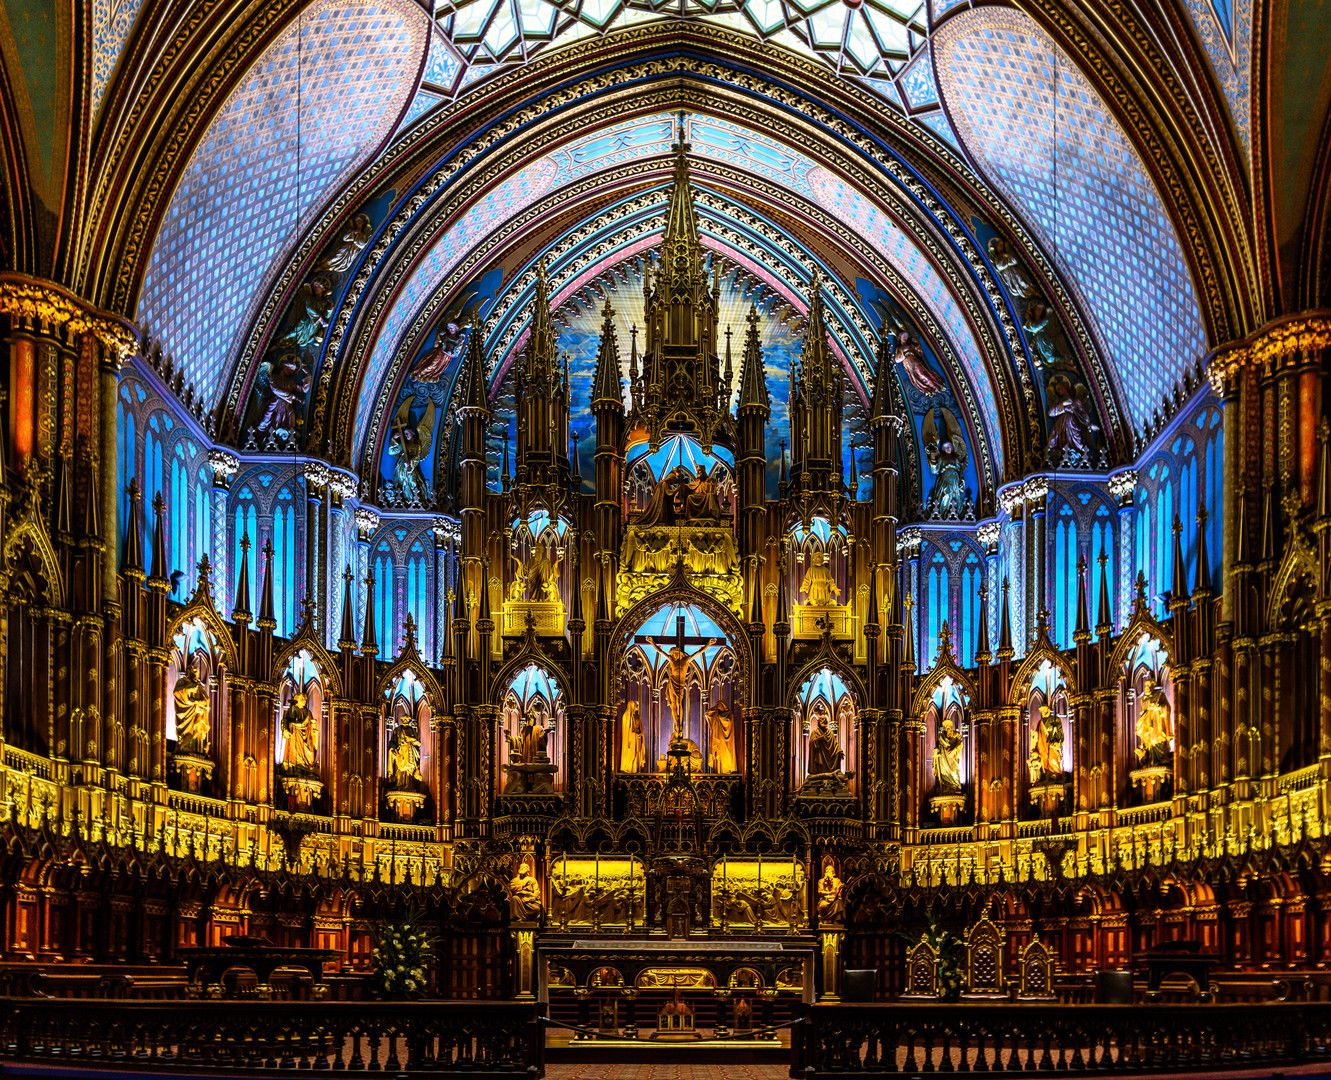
(483, 1039)
(886, 1040)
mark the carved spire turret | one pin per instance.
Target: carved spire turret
(540, 384)
(816, 417)
(683, 373)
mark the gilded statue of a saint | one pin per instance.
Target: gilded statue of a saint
(676, 671)
(1155, 727)
(404, 759)
(831, 902)
(819, 584)
(192, 728)
(632, 755)
(947, 759)
(1046, 754)
(524, 894)
(721, 750)
(301, 735)
(701, 502)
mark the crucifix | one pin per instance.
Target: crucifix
(677, 663)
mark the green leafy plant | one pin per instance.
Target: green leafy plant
(951, 951)
(400, 957)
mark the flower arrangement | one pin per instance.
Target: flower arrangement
(400, 957)
(951, 951)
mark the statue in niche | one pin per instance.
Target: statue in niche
(314, 308)
(721, 752)
(1045, 762)
(524, 894)
(404, 758)
(819, 584)
(539, 577)
(831, 902)
(633, 753)
(410, 445)
(700, 495)
(909, 356)
(1009, 269)
(1072, 427)
(529, 746)
(825, 758)
(302, 737)
(676, 671)
(343, 257)
(1155, 727)
(281, 388)
(945, 451)
(947, 759)
(193, 731)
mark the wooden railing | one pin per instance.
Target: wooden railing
(882, 1040)
(483, 1039)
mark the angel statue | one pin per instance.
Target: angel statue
(1071, 425)
(1155, 727)
(353, 242)
(1009, 269)
(404, 758)
(281, 388)
(1036, 324)
(410, 446)
(945, 451)
(909, 356)
(314, 308)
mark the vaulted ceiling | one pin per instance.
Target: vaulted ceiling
(1036, 189)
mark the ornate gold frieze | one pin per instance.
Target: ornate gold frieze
(1288, 337)
(26, 298)
(649, 556)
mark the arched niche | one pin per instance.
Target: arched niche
(679, 453)
(820, 542)
(408, 740)
(1146, 684)
(300, 751)
(531, 692)
(539, 570)
(946, 747)
(197, 661)
(1047, 739)
(680, 645)
(823, 694)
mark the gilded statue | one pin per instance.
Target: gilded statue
(404, 759)
(538, 577)
(524, 895)
(528, 748)
(721, 749)
(633, 754)
(831, 901)
(682, 496)
(1046, 753)
(676, 671)
(945, 452)
(947, 759)
(700, 495)
(1155, 727)
(301, 735)
(193, 732)
(819, 584)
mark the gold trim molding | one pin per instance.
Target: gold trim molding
(29, 298)
(1285, 337)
